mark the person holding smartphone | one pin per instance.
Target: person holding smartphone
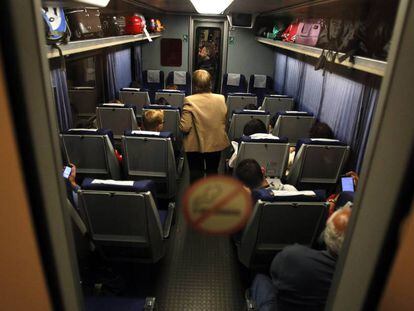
(69, 173)
(349, 183)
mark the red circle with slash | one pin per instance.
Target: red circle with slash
(217, 205)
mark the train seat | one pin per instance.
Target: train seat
(238, 101)
(277, 103)
(174, 98)
(153, 80)
(293, 124)
(135, 97)
(233, 83)
(239, 119)
(150, 155)
(123, 219)
(260, 85)
(182, 79)
(318, 162)
(92, 151)
(279, 219)
(171, 119)
(271, 154)
(117, 117)
(100, 303)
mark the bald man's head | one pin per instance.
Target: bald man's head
(201, 81)
(335, 230)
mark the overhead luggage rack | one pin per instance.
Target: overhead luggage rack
(376, 67)
(80, 46)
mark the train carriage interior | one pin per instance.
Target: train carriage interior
(307, 207)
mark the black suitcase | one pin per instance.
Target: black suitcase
(85, 23)
(113, 25)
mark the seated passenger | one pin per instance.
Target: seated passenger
(153, 120)
(300, 277)
(252, 176)
(250, 107)
(171, 87)
(255, 129)
(162, 102)
(336, 197)
(72, 187)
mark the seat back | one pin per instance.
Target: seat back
(83, 100)
(150, 155)
(122, 219)
(293, 125)
(318, 162)
(271, 154)
(135, 97)
(117, 117)
(238, 101)
(153, 80)
(241, 117)
(182, 79)
(281, 221)
(260, 85)
(233, 83)
(92, 152)
(174, 98)
(277, 103)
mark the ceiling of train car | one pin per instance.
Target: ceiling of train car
(238, 6)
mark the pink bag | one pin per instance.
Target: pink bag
(308, 32)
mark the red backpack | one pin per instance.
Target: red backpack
(289, 35)
(134, 24)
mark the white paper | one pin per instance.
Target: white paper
(293, 111)
(324, 139)
(284, 193)
(131, 89)
(113, 104)
(146, 133)
(113, 182)
(81, 129)
(263, 136)
(251, 110)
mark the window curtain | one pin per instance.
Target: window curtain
(61, 96)
(118, 70)
(344, 99)
(137, 64)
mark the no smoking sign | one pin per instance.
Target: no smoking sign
(217, 205)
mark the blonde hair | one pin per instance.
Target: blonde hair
(152, 119)
(201, 81)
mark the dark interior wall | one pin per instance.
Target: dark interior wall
(176, 27)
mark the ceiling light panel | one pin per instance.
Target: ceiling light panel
(211, 6)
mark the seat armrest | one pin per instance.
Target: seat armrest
(169, 220)
(180, 166)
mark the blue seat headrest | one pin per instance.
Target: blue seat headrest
(295, 114)
(242, 94)
(252, 112)
(117, 185)
(248, 139)
(161, 107)
(138, 133)
(318, 142)
(267, 195)
(81, 131)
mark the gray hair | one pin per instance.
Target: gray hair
(333, 236)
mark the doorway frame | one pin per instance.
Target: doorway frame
(209, 19)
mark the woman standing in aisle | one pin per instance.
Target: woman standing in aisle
(203, 122)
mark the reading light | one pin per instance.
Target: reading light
(211, 6)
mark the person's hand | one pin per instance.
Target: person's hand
(72, 176)
(354, 176)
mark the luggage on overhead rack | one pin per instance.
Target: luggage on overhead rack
(113, 25)
(290, 33)
(160, 26)
(308, 32)
(85, 23)
(56, 27)
(135, 24)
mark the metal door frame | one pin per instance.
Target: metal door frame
(208, 20)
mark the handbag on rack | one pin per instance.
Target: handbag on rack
(56, 27)
(308, 32)
(85, 23)
(289, 35)
(113, 25)
(135, 24)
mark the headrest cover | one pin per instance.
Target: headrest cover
(133, 89)
(252, 112)
(278, 96)
(148, 134)
(322, 141)
(113, 105)
(180, 78)
(269, 195)
(82, 131)
(117, 185)
(170, 91)
(233, 79)
(153, 76)
(260, 81)
(242, 94)
(263, 138)
(161, 107)
(295, 114)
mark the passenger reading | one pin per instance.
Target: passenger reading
(217, 205)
